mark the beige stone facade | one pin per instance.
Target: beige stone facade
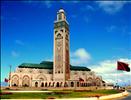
(29, 77)
(58, 73)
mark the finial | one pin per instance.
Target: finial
(61, 10)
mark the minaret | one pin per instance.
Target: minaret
(61, 67)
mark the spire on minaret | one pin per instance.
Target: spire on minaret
(61, 15)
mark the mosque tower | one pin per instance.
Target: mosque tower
(61, 67)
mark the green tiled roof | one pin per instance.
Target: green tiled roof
(79, 68)
(47, 62)
(39, 66)
(49, 65)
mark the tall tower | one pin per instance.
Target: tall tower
(61, 67)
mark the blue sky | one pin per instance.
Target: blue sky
(100, 34)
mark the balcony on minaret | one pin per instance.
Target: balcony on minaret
(61, 15)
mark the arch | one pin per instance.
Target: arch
(15, 80)
(72, 84)
(57, 84)
(49, 84)
(26, 81)
(98, 81)
(42, 84)
(82, 84)
(46, 84)
(61, 30)
(89, 81)
(77, 84)
(36, 84)
(41, 77)
(65, 84)
(59, 36)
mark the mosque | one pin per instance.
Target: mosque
(59, 73)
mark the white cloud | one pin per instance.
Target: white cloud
(108, 70)
(19, 42)
(82, 53)
(14, 54)
(80, 57)
(111, 7)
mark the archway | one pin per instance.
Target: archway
(42, 84)
(89, 81)
(15, 80)
(65, 84)
(77, 84)
(46, 84)
(36, 84)
(57, 84)
(26, 81)
(98, 82)
(49, 84)
(72, 84)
